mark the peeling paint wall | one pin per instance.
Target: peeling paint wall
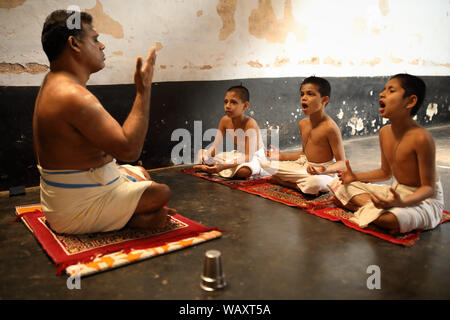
(235, 39)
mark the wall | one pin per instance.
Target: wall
(205, 46)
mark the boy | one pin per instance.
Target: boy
(323, 155)
(245, 161)
(415, 200)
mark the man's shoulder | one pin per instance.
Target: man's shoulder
(62, 92)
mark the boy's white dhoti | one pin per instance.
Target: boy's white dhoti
(295, 172)
(85, 201)
(230, 157)
(424, 216)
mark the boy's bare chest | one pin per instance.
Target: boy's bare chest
(401, 155)
(314, 136)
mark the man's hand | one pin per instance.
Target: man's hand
(346, 176)
(273, 153)
(381, 203)
(143, 76)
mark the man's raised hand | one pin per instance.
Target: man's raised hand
(143, 75)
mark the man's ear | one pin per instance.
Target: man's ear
(246, 105)
(412, 101)
(73, 43)
(325, 100)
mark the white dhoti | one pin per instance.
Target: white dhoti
(85, 201)
(424, 216)
(232, 156)
(295, 172)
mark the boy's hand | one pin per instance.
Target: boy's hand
(202, 156)
(143, 76)
(215, 168)
(381, 203)
(316, 170)
(346, 176)
(273, 153)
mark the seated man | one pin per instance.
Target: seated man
(244, 161)
(415, 200)
(76, 140)
(323, 155)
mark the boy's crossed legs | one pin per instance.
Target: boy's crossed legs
(386, 220)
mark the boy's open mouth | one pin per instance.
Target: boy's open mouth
(304, 106)
(382, 106)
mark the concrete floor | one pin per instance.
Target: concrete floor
(270, 251)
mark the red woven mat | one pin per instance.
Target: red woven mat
(321, 206)
(66, 250)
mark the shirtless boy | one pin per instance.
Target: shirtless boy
(415, 200)
(76, 140)
(243, 162)
(322, 155)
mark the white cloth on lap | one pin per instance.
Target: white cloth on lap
(229, 157)
(424, 216)
(295, 172)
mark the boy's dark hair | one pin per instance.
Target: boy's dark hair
(323, 86)
(413, 86)
(55, 32)
(241, 91)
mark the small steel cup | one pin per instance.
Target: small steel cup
(213, 277)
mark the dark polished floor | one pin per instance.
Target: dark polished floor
(270, 251)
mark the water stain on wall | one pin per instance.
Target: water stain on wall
(17, 68)
(372, 62)
(190, 65)
(225, 9)
(104, 23)
(395, 59)
(9, 4)
(158, 45)
(263, 24)
(384, 7)
(331, 61)
(279, 62)
(432, 110)
(313, 60)
(255, 64)
(356, 124)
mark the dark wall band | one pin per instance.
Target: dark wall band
(274, 103)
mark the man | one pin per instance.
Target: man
(76, 140)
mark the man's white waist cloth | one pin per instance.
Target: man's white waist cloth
(85, 201)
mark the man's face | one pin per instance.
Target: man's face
(310, 99)
(92, 49)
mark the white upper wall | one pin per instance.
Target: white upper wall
(230, 39)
